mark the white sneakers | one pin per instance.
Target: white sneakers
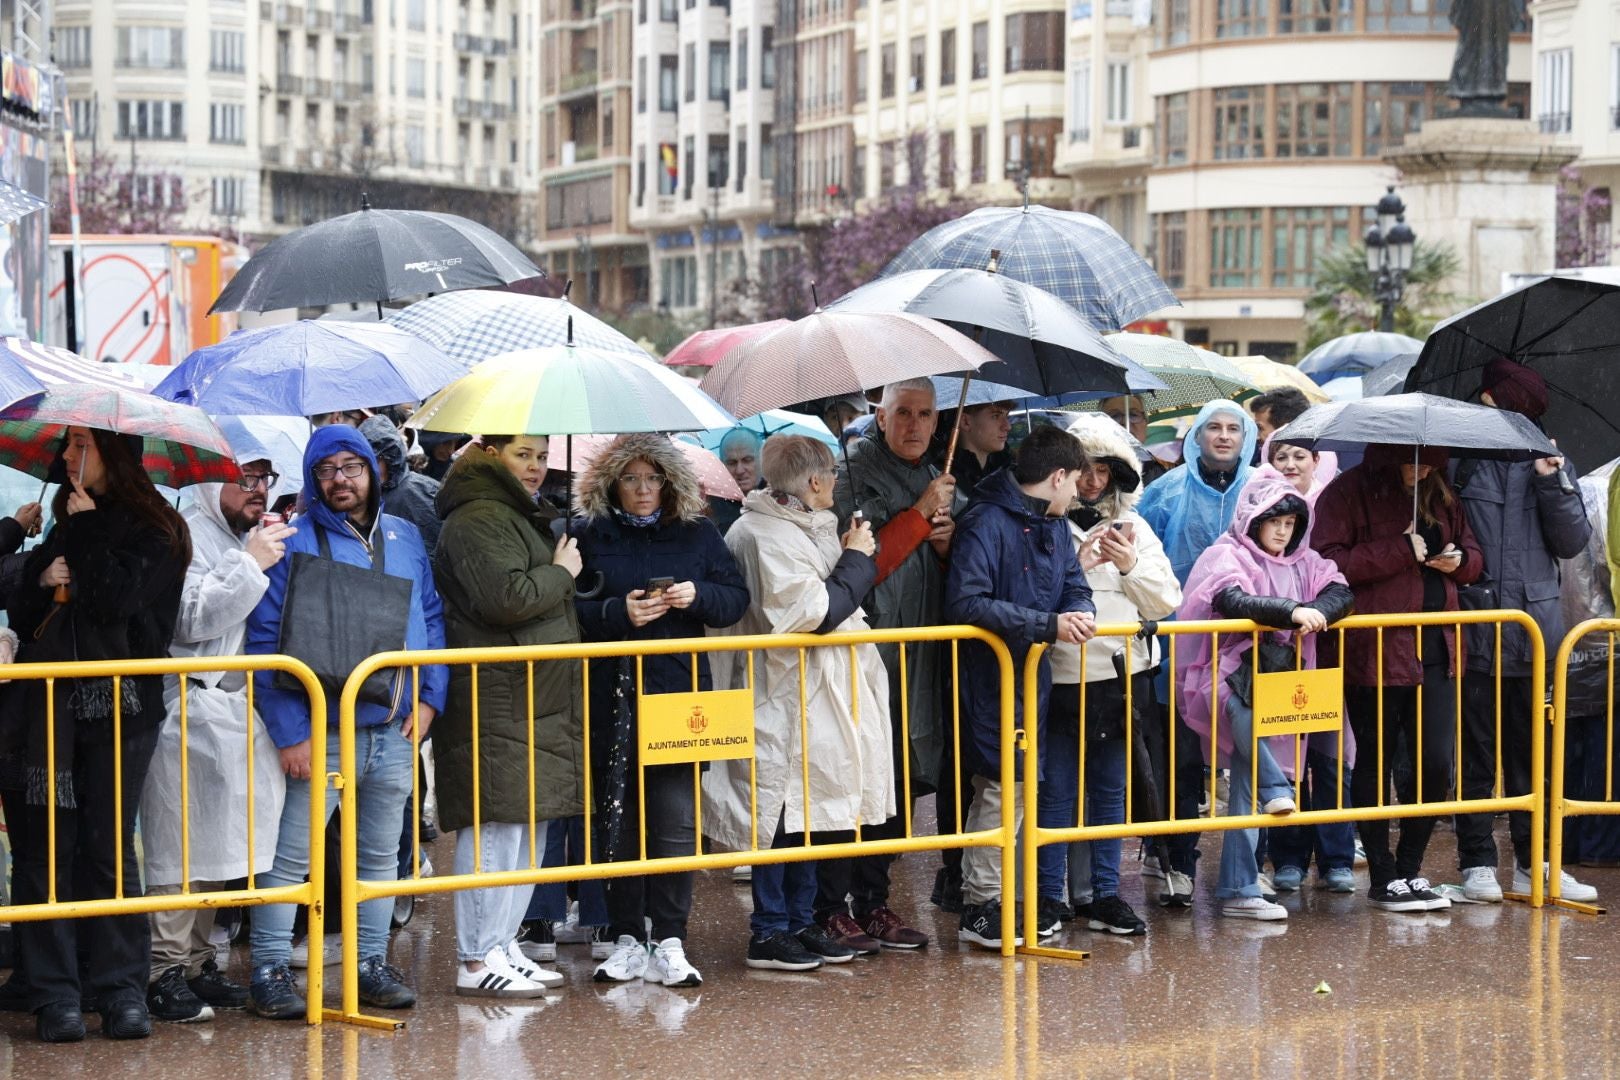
(1568, 887)
(667, 965)
(498, 979)
(1280, 805)
(1480, 885)
(1253, 907)
(627, 961)
(529, 969)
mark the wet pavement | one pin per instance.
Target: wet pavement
(1477, 991)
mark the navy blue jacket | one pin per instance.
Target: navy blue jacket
(1013, 569)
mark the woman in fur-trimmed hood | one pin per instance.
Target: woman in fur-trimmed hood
(643, 520)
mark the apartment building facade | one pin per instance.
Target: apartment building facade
(1575, 95)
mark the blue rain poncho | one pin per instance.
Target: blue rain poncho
(1181, 507)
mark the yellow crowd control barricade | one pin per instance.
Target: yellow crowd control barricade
(308, 894)
(676, 728)
(1564, 712)
(1295, 703)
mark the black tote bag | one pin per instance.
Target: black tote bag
(336, 614)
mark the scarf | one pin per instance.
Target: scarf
(640, 521)
(792, 502)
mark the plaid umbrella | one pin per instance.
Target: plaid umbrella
(182, 445)
(1074, 256)
(1355, 354)
(27, 368)
(474, 326)
(706, 347)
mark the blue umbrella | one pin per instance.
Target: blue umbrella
(1355, 354)
(305, 368)
(279, 440)
(777, 422)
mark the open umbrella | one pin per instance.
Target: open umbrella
(706, 347)
(1565, 329)
(1355, 354)
(277, 439)
(1077, 257)
(305, 368)
(28, 368)
(1388, 377)
(715, 482)
(371, 256)
(1192, 376)
(1264, 374)
(476, 325)
(776, 422)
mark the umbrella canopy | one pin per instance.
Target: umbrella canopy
(371, 256)
(28, 368)
(1192, 376)
(1420, 420)
(706, 347)
(1076, 257)
(1388, 377)
(1349, 388)
(277, 439)
(1565, 329)
(779, 422)
(474, 326)
(1355, 354)
(578, 452)
(569, 390)
(182, 445)
(305, 368)
(17, 203)
(948, 393)
(1039, 341)
(829, 353)
(1264, 374)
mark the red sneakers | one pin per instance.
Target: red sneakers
(886, 926)
(848, 933)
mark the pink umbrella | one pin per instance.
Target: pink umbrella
(706, 347)
(712, 476)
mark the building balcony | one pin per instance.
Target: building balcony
(315, 19)
(272, 153)
(1554, 123)
(467, 43)
(346, 22)
(288, 84)
(1080, 135)
(491, 110)
(578, 83)
(281, 14)
(318, 88)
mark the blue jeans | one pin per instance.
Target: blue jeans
(1239, 872)
(383, 759)
(490, 918)
(784, 893)
(565, 846)
(1059, 797)
(1333, 845)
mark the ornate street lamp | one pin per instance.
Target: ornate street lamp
(1390, 245)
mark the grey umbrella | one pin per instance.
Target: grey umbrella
(1388, 377)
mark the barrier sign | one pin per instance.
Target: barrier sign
(1295, 702)
(710, 725)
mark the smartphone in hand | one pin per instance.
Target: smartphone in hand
(656, 586)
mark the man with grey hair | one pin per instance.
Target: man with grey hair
(888, 480)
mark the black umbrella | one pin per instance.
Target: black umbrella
(1388, 377)
(1567, 330)
(371, 256)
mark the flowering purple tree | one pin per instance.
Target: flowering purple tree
(117, 195)
(1583, 217)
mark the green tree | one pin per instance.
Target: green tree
(1342, 301)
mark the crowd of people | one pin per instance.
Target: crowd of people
(1040, 544)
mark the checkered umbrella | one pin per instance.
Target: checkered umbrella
(476, 325)
(1194, 376)
(16, 203)
(1074, 256)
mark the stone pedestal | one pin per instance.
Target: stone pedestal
(1488, 188)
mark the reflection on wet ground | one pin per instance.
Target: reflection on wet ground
(1477, 991)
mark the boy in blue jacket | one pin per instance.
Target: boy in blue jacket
(1014, 573)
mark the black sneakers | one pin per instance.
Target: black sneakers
(1114, 916)
(171, 1000)
(214, 989)
(383, 985)
(274, 995)
(818, 942)
(1397, 895)
(1049, 915)
(981, 925)
(947, 894)
(781, 952)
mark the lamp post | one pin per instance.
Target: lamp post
(1389, 255)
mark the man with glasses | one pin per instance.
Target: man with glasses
(231, 551)
(345, 523)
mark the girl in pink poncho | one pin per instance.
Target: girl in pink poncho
(1262, 569)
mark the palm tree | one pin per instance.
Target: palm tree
(1342, 302)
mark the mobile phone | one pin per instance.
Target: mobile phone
(856, 519)
(1124, 527)
(656, 587)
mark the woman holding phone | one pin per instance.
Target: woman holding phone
(666, 573)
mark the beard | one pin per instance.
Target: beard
(247, 517)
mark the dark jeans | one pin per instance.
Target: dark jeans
(666, 899)
(565, 846)
(1401, 715)
(87, 842)
(785, 893)
(1181, 847)
(1333, 845)
(1521, 707)
(1595, 838)
(1060, 793)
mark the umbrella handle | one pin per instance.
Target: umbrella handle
(950, 450)
(594, 591)
(61, 596)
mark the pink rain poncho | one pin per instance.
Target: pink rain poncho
(1299, 574)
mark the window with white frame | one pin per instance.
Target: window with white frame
(151, 47)
(416, 146)
(228, 195)
(227, 51)
(1554, 90)
(227, 123)
(84, 118)
(1080, 102)
(1614, 87)
(73, 46)
(151, 120)
(416, 77)
(1119, 92)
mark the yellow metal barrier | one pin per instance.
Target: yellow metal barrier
(1533, 802)
(357, 891)
(309, 894)
(1562, 806)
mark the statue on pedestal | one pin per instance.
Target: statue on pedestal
(1479, 69)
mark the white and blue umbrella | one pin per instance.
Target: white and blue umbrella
(778, 422)
(1355, 354)
(476, 325)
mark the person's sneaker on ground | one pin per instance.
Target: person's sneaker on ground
(843, 929)
(1360, 860)
(1080, 912)
(1253, 907)
(1480, 885)
(1152, 867)
(1281, 805)
(1177, 891)
(169, 999)
(537, 940)
(531, 969)
(331, 952)
(274, 994)
(742, 875)
(216, 990)
(569, 932)
(820, 943)
(404, 911)
(1049, 912)
(981, 925)
(781, 952)
(497, 978)
(1422, 890)
(891, 931)
(1114, 916)
(627, 961)
(667, 965)
(1287, 879)
(1339, 879)
(1267, 888)
(602, 942)
(1396, 896)
(383, 985)
(1568, 887)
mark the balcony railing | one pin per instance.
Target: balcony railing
(1554, 123)
(289, 84)
(345, 22)
(169, 63)
(318, 88)
(1130, 138)
(1079, 135)
(491, 110)
(315, 19)
(578, 80)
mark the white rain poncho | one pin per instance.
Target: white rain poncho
(223, 584)
(785, 556)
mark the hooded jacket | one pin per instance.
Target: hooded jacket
(500, 588)
(1148, 593)
(1182, 508)
(223, 585)
(406, 493)
(1362, 518)
(1013, 570)
(285, 712)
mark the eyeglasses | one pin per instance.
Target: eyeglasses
(652, 480)
(348, 468)
(249, 481)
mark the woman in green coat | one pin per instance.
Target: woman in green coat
(504, 581)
